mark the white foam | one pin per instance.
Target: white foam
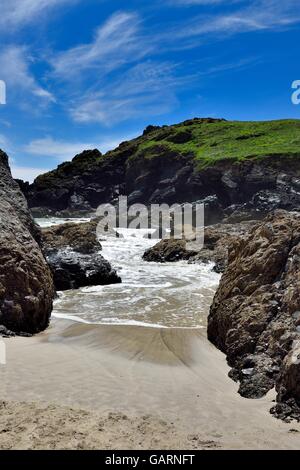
(53, 221)
(151, 294)
(116, 321)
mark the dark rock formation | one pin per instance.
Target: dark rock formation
(162, 166)
(26, 286)
(80, 237)
(255, 315)
(72, 251)
(72, 270)
(217, 239)
(167, 251)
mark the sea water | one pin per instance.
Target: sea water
(152, 294)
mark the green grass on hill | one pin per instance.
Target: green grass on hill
(212, 141)
(205, 140)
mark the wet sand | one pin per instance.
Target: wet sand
(112, 387)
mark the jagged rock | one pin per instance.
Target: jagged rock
(6, 333)
(150, 129)
(26, 286)
(288, 385)
(72, 251)
(217, 239)
(167, 251)
(80, 237)
(254, 317)
(72, 270)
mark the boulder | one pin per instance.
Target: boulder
(255, 314)
(26, 285)
(80, 237)
(72, 270)
(217, 239)
(72, 251)
(167, 251)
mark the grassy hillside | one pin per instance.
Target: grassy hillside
(205, 140)
(210, 141)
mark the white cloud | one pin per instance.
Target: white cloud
(27, 173)
(108, 111)
(3, 140)
(115, 43)
(6, 146)
(14, 66)
(21, 172)
(260, 15)
(201, 2)
(145, 89)
(122, 44)
(16, 13)
(63, 150)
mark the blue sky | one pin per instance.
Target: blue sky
(92, 73)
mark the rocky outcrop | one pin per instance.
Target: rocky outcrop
(255, 315)
(72, 270)
(72, 251)
(26, 286)
(187, 162)
(217, 239)
(168, 250)
(80, 237)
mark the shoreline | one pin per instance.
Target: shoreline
(126, 323)
(166, 382)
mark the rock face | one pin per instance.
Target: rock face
(26, 286)
(255, 316)
(72, 251)
(187, 162)
(217, 239)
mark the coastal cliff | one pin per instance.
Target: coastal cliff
(255, 315)
(26, 287)
(240, 170)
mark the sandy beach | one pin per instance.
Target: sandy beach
(79, 386)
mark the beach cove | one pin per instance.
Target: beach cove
(131, 382)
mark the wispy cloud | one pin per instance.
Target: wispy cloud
(15, 13)
(115, 43)
(64, 150)
(15, 70)
(3, 141)
(125, 85)
(201, 2)
(121, 73)
(260, 15)
(145, 89)
(27, 173)
(58, 149)
(149, 86)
